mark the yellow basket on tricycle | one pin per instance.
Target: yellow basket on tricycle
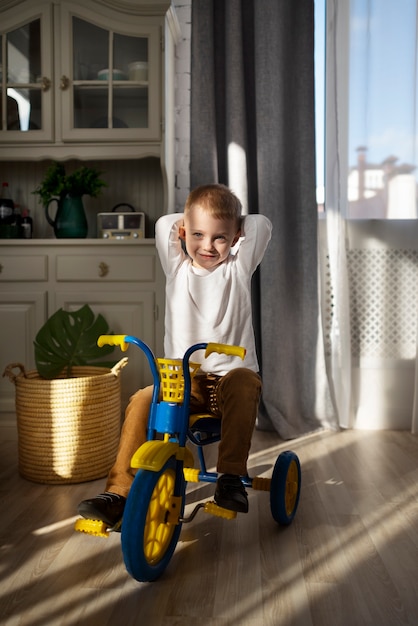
(172, 379)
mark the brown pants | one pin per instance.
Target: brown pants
(233, 397)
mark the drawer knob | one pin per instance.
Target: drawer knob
(64, 83)
(45, 83)
(103, 269)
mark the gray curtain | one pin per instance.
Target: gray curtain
(252, 94)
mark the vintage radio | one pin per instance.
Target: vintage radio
(120, 225)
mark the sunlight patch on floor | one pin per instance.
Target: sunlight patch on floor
(45, 530)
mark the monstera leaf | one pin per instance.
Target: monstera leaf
(70, 338)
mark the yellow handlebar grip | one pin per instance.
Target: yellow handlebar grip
(113, 340)
(223, 348)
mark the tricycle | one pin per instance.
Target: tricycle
(154, 511)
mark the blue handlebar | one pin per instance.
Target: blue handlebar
(123, 340)
(186, 369)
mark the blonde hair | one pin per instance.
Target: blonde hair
(216, 199)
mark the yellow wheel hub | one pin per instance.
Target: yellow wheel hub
(292, 485)
(158, 531)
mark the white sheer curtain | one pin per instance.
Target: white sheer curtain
(363, 86)
(336, 206)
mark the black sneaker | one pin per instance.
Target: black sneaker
(106, 507)
(230, 493)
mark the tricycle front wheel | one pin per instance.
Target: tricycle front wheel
(148, 538)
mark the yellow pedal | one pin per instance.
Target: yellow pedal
(91, 527)
(214, 509)
(191, 474)
(261, 484)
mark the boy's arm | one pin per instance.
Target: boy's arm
(256, 234)
(168, 242)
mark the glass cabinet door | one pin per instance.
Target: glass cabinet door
(69, 74)
(112, 85)
(25, 83)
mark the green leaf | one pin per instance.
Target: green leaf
(68, 339)
(57, 184)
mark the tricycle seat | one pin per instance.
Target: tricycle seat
(204, 428)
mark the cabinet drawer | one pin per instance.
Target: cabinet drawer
(23, 268)
(106, 268)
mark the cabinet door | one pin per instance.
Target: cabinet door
(21, 316)
(127, 313)
(111, 74)
(26, 75)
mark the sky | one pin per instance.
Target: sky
(382, 80)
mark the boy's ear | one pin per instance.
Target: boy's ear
(237, 236)
(182, 232)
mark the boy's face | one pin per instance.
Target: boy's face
(208, 240)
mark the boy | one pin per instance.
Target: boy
(208, 299)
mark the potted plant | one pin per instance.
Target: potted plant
(67, 190)
(69, 339)
(68, 410)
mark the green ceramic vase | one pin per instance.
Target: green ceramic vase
(70, 219)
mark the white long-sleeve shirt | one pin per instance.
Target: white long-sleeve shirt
(211, 305)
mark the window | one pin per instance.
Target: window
(377, 124)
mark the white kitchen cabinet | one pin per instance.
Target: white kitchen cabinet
(121, 280)
(21, 316)
(87, 79)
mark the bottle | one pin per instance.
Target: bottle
(26, 225)
(17, 222)
(6, 205)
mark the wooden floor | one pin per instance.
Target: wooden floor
(349, 558)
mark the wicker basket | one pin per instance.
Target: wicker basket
(68, 428)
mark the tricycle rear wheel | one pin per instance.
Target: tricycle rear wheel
(285, 487)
